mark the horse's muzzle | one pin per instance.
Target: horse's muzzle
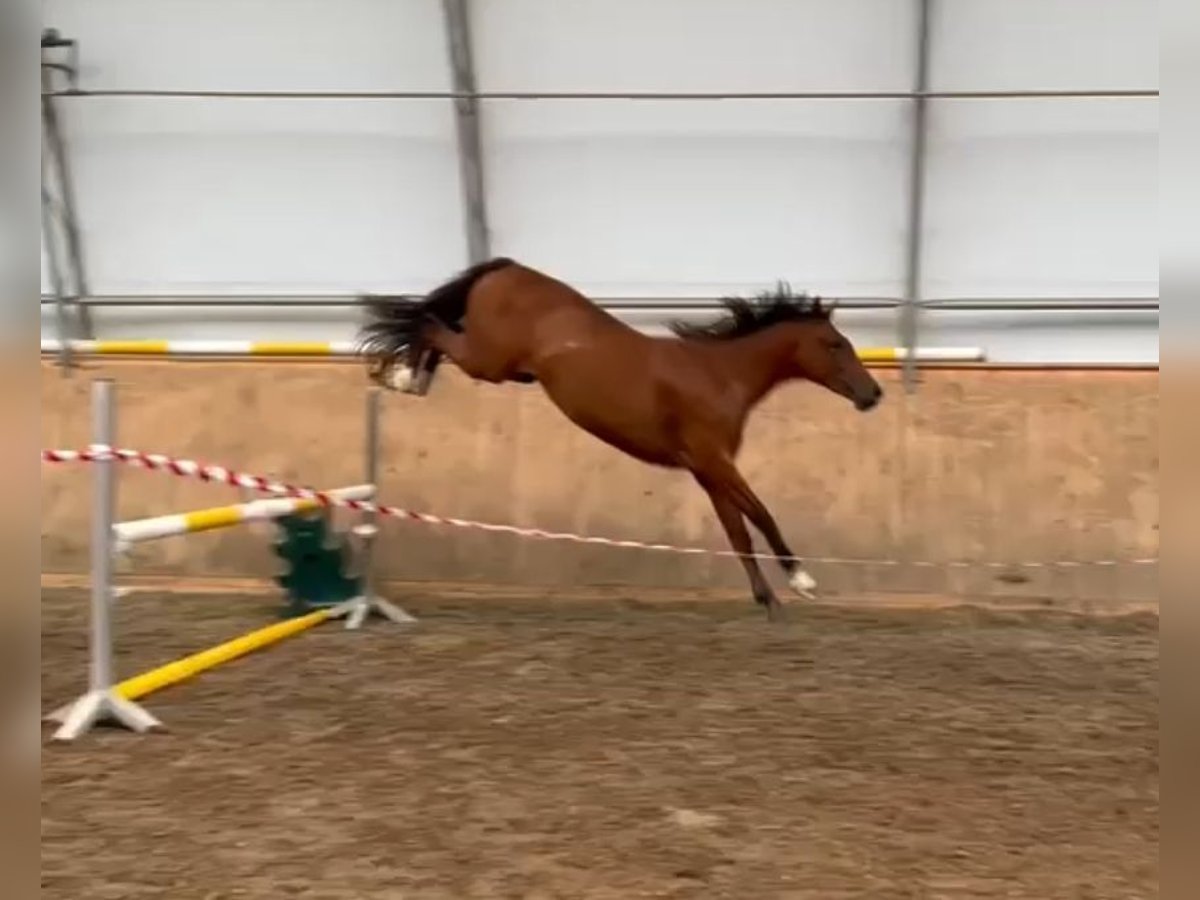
(869, 400)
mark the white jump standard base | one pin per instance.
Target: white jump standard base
(100, 706)
(357, 609)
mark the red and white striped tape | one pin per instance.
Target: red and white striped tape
(222, 475)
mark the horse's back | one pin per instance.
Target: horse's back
(520, 300)
(519, 285)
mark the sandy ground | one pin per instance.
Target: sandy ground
(584, 747)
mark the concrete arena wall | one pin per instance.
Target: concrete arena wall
(979, 465)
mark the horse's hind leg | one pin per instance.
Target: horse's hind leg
(422, 372)
(739, 538)
(477, 358)
(411, 372)
(464, 353)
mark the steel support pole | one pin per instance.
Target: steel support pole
(466, 120)
(50, 236)
(54, 146)
(57, 281)
(70, 219)
(675, 304)
(456, 17)
(909, 324)
(102, 703)
(635, 96)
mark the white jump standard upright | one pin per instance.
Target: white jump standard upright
(357, 609)
(101, 702)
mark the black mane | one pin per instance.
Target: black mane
(747, 316)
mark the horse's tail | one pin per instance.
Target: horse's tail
(393, 323)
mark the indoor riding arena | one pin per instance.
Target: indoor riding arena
(309, 635)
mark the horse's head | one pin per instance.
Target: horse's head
(803, 329)
(827, 357)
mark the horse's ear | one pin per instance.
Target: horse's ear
(829, 307)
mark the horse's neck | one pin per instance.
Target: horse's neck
(761, 361)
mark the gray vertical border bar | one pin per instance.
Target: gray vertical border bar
(466, 120)
(909, 325)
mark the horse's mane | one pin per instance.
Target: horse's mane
(746, 316)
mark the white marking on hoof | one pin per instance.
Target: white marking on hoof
(803, 584)
(400, 378)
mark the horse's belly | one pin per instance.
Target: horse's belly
(646, 450)
(617, 412)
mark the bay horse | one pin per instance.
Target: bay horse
(679, 401)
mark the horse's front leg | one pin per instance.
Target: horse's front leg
(747, 501)
(739, 539)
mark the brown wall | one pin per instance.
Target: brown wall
(978, 465)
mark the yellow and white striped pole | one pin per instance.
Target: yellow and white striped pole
(214, 347)
(921, 354)
(227, 348)
(136, 531)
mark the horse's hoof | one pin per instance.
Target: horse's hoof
(803, 584)
(775, 613)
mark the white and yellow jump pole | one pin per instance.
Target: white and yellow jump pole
(218, 347)
(106, 701)
(921, 354)
(228, 348)
(137, 531)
